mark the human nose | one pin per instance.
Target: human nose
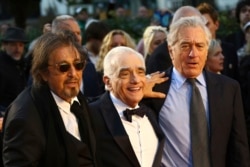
(134, 78)
(192, 52)
(72, 70)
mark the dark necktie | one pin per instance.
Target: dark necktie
(76, 109)
(199, 128)
(129, 112)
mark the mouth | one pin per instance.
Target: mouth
(192, 65)
(134, 89)
(72, 83)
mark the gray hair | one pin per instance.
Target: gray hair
(59, 23)
(44, 48)
(183, 22)
(111, 65)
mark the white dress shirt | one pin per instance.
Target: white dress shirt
(69, 119)
(140, 132)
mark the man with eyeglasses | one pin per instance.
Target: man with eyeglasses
(48, 124)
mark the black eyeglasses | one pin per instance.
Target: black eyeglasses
(64, 67)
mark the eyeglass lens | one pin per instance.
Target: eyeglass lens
(64, 67)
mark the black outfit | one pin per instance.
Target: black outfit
(159, 60)
(237, 39)
(91, 86)
(244, 70)
(13, 79)
(35, 135)
(231, 60)
(113, 145)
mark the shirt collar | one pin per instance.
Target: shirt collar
(62, 104)
(119, 105)
(180, 80)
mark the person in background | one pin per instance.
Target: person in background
(134, 140)
(244, 73)
(245, 49)
(143, 12)
(228, 50)
(95, 33)
(82, 17)
(215, 58)
(153, 36)
(43, 127)
(242, 14)
(224, 141)
(113, 39)
(13, 72)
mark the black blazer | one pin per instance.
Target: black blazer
(113, 146)
(159, 60)
(231, 61)
(229, 147)
(91, 86)
(35, 135)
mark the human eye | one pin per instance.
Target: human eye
(124, 74)
(185, 47)
(141, 72)
(200, 46)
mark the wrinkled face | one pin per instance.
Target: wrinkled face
(64, 84)
(14, 49)
(215, 61)
(74, 27)
(189, 53)
(244, 15)
(158, 39)
(211, 25)
(128, 82)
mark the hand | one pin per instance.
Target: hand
(152, 79)
(1, 124)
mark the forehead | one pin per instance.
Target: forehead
(64, 53)
(192, 34)
(130, 61)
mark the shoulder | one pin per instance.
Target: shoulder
(221, 79)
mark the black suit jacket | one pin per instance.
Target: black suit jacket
(113, 145)
(35, 135)
(91, 86)
(231, 60)
(159, 60)
(228, 141)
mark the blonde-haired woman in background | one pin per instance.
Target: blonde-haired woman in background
(215, 58)
(113, 39)
(153, 36)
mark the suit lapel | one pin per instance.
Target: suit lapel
(213, 90)
(115, 126)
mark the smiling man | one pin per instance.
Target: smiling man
(127, 132)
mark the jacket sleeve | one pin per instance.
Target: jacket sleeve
(23, 140)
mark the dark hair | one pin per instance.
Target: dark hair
(44, 48)
(240, 5)
(206, 8)
(96, 30)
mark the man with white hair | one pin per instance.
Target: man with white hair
(127, 133)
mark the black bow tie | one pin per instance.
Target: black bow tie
(129, 112)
